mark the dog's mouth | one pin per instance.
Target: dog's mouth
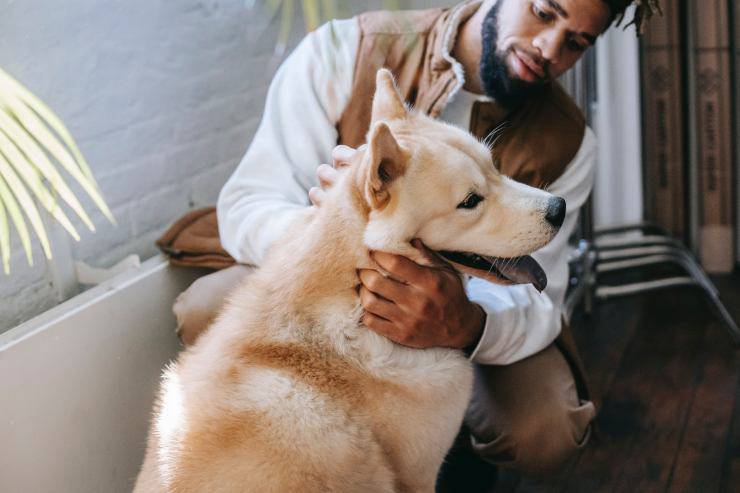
(516, 270)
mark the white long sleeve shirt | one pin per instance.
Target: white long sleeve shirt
(298, 132)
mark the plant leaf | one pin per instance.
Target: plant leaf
(4, 238)
(50, 117)
(286, 22)
(26, 203)
(23, 138)
(311, 14)
(36, 127)
(36, 156)
(15, 214)
(31, 176)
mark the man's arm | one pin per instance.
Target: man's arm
(519, 320)
(305, 100)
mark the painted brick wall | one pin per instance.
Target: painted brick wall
(162, 97)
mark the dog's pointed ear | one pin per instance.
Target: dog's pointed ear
(387, 102)
(385, 161)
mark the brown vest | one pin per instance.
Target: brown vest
(542, 136)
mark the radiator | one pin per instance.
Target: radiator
(77, 384)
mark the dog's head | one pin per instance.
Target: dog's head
(425, 179)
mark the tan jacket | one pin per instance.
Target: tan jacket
(543, 135)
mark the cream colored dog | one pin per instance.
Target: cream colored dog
(287, 392)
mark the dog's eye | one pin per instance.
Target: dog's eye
(470, 202)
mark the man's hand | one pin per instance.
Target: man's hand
(341, 157)
(419, 306)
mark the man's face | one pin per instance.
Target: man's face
(527, 43)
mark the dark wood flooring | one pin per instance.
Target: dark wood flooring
(667, 379)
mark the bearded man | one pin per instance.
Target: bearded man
(475, 65)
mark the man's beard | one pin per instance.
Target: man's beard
(508, 91)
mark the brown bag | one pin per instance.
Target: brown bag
(193, 241)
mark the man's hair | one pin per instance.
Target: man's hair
(644, 10)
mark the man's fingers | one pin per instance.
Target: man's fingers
(381, 326)
(342, 155)
(376, 305)
(327, 175)
(390, 289)
(400, 267)
(432, 258)
(316, 195)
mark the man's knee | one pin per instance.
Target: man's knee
(197, 307)
(545, 442)
(529, 415)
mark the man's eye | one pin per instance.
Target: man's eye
(470, 202)
(541, 14)
(576, 46)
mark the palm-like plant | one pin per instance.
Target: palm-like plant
(32, 138)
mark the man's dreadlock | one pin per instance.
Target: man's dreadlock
(644, 10)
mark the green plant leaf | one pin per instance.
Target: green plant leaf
(30, 131)
(26, 203)
(36, 156)
(49, 117)
(286, 21)
(15, 214)
(31, 176)
(311, 14)
(4, 238)
(36, 127)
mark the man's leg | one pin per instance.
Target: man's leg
(196, 307)
(529, 415)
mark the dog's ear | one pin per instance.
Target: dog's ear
(387, 102)
(384, 162)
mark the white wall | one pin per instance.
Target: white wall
(618, 188)
(162, 97)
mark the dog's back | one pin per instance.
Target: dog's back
(282, 407)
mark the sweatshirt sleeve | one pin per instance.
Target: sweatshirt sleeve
(297, 133)
(520, 321)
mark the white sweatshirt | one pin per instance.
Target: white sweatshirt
(298, 132)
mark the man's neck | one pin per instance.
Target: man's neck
(467, 50)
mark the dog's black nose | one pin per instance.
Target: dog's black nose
(555, 212)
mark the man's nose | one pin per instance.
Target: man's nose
(550, 44)
(555, 213)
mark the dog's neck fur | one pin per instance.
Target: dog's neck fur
(321, 255)
(313, 274)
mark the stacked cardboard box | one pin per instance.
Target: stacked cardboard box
(689, 139)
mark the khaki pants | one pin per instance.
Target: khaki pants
(527, 415)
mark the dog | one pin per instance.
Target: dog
(287, 391)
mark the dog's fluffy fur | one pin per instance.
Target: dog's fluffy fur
(287, 391)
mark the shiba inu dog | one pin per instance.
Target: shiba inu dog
(287, 391)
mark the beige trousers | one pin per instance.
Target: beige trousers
(526, 415)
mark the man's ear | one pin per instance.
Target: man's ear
(384, 162)
(387, 102)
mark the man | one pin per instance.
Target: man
(476, 65)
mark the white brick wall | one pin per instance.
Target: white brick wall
(162, 97)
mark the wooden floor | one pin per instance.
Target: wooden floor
(668, 380)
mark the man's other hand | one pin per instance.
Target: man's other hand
(341, 156)
(419, 306)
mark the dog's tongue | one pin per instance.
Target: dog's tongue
(519, 270)
(522, 270)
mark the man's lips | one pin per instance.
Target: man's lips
(526, 68)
